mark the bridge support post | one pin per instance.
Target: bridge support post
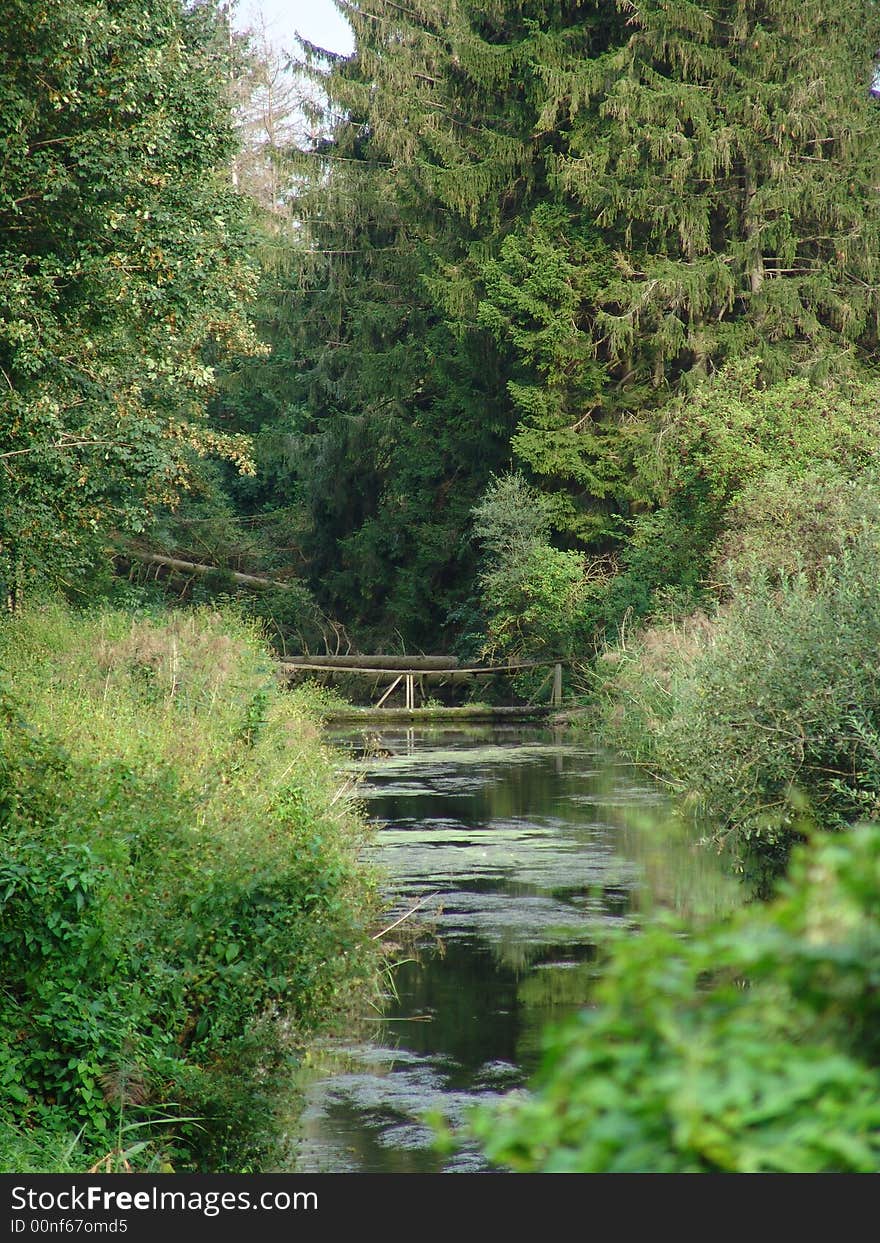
(410, 691)
(556, 696)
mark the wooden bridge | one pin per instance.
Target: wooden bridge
(414, 673)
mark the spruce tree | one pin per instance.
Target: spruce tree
(397, 404)
(729, 152)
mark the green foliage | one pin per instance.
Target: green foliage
(182, 897)
(686, 141)
(123, 270)
(775, 701)
(512, 517)
(735, 427)
(289, 616)
(523, 232)
(750, 1049)
(531, 593)
(725, 164)
(662, 567)
(385, 408)
(207, 529)
(737, 465)
(536, 290)
(533, 605)
(780, 524)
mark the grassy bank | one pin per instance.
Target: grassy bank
(183, 899)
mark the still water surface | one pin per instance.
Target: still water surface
(528, 848)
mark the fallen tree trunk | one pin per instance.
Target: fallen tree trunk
(431, 676)
(193, 567)
(372, 663)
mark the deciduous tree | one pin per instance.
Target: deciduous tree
(122, 262)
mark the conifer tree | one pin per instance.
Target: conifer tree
(723, 158)
(729, 152)
(399, 410)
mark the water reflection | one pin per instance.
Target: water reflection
(528, 849)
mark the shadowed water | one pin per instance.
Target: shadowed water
(528, 849)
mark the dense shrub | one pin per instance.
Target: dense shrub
(734, 427)
(751, 1049)
(781, 524)
(775, 702)
(181, 892)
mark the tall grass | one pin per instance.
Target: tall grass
(183, 892)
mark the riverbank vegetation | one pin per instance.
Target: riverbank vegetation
(753, 690)
(183, 894)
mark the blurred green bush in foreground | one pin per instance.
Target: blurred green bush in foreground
(752, 1048)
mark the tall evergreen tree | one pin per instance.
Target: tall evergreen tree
(730, 150)
(714, 171)
(399, 410)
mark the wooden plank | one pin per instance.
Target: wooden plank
(427, 675)
(556, 697)
(543, 683)
(395, 683)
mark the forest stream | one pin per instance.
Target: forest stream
(527, 847)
